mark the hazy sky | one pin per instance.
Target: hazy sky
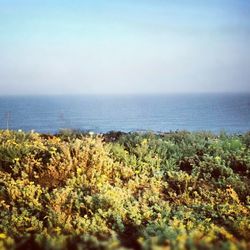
(124, 46)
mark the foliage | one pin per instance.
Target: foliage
(175, 190)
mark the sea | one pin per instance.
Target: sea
(229, 113)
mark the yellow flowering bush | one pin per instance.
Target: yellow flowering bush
(176, 190)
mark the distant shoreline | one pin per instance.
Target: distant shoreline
(118, 133)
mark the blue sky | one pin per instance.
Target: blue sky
(111, 46)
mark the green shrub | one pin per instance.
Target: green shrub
(77, 190)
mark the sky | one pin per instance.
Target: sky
(124, 47)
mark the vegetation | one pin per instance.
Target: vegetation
(124, 191)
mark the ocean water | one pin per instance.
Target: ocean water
(193, 112)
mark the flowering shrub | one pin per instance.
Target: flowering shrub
(124, 191)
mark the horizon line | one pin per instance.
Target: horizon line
(127, 94)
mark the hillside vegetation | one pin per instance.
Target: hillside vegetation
(124, 191)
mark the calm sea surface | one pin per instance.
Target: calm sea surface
(217, 112)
